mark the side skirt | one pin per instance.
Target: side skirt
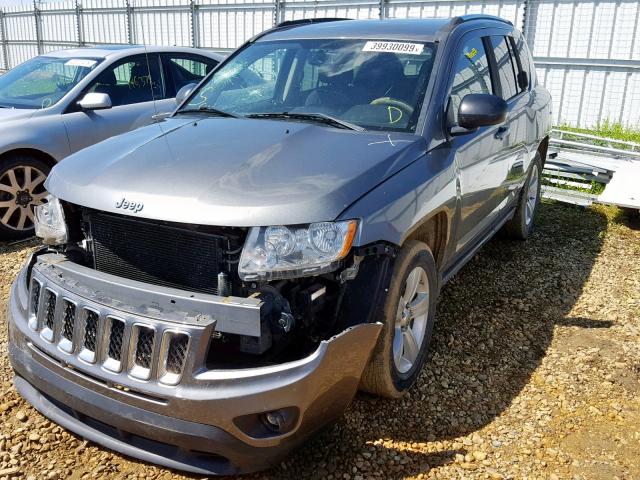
(461, 262)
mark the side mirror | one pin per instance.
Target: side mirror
(95, 101)
(481, 110)
(184, 93)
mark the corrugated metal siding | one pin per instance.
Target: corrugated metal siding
(587, 52)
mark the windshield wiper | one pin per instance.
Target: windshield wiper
(209, 110)
(313, 117)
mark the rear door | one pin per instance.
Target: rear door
(514, 89)
(134, 84)
(480, 156)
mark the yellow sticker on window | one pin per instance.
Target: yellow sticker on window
(471, 54)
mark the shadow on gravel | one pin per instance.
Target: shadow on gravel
(494, 324)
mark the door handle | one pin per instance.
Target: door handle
(501, 132)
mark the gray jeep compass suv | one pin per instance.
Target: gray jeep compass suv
(216, 287)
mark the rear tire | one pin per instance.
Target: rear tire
(21, 190)
(520, 226)
(409, 314)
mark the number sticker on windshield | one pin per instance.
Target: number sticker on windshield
(80, 62)
(394, 47)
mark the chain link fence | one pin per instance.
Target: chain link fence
(587, 52)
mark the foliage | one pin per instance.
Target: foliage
(607, 129)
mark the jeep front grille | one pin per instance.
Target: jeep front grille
(50, 309)
(158, 253)
(69, 320)
(144, 347)
(177, 353)
(116, 336)
(90, 330)
(119, 345)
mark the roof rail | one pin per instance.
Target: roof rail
(294, 23)
(308, 21)
(478, 16)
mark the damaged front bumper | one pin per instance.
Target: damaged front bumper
(123, 364)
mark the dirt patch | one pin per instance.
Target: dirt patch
(534, 372)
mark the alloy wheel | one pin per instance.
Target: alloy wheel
(21, 190)
(411, 320)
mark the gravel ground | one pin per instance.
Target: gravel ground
(534, 372)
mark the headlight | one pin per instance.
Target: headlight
(49, 222)
(294, 251)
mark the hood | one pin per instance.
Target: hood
(8, 114)
(232, 172)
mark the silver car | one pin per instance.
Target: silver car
(56, 104)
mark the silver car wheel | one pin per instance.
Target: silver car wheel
(411, 320)
(532, 195)
(21, 189)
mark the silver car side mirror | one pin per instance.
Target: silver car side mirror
(95, 101)
(184, 93)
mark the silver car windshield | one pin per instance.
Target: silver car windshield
(42, 81)
(376, 85)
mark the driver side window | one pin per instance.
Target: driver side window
(471, 74)
(133, 80)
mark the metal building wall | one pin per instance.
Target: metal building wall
(587, 52)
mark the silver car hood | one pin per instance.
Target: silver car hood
(232, 172)
(8, 114)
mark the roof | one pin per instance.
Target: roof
(117, 51)
(424, 29)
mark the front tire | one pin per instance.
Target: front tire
(21, 190)
(409, 314)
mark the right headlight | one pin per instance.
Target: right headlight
(49, 222)
(295, 251)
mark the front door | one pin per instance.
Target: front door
(136, 90)
(480, 156)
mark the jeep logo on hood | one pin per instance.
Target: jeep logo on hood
(125, 204)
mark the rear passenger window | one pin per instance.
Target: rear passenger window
(185, 69)
(507, 67)
(520, 47)
(471, 74)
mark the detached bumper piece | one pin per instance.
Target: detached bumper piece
(122, 363)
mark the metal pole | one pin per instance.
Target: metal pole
(526, 17)
(38, 19)
(277, 12)
(3, 35)
(79, 26)
(195, 24)
(130, 32)
(383, 9)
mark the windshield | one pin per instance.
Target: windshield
(377, 85)
(42, 81)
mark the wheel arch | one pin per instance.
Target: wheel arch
(543, 148)
(435, 231)
(32, 152)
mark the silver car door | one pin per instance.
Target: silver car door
(133, 84)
